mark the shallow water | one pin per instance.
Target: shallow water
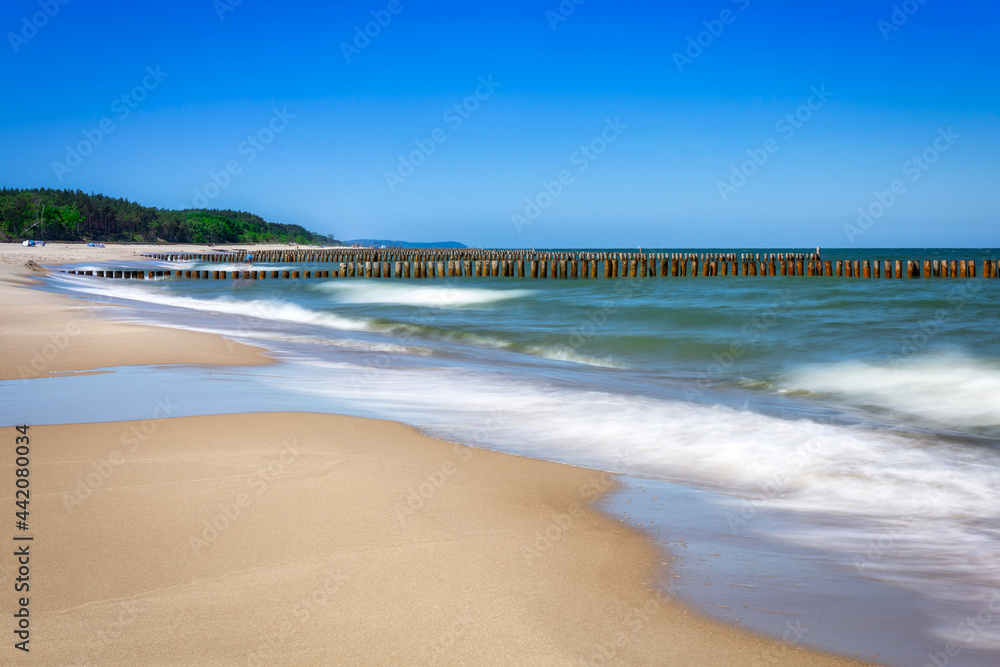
(856, 421)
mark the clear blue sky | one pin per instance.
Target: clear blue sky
(678, 127)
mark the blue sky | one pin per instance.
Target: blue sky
(600, 124)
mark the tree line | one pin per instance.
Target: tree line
(73, 215)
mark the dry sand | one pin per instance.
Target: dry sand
(317, 539)
(46, 333)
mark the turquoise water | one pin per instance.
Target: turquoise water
(858, 419)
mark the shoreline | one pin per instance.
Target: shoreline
(46, 334)
(444, 545)
(299, 538)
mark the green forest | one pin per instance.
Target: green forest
(73, 215)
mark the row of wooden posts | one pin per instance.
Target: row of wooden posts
(587, 265)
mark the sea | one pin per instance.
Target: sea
(818, 457)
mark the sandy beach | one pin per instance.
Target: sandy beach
(300, 538)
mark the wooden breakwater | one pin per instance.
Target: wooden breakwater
(468, 262)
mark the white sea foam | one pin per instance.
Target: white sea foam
(429, 296)
(567, 353)
(249, 310)
(932, 507)
(254, 311)
(953, 389)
